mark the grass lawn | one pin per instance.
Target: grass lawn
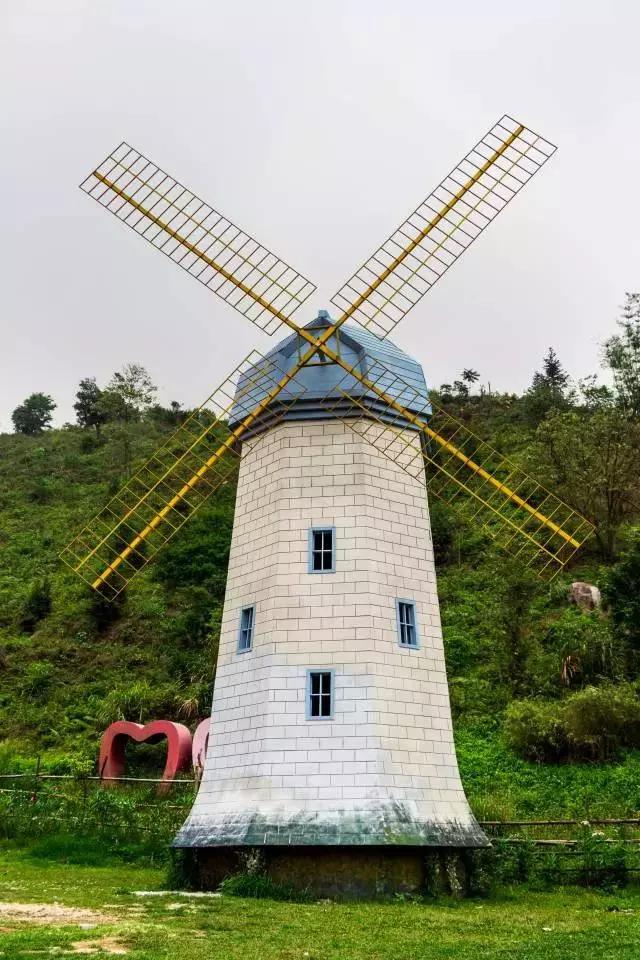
(57, 909)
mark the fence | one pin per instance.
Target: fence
(70, 798)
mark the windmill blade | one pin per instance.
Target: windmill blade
(174, 483)
(527, 520)
(205, 243)
(422, 249)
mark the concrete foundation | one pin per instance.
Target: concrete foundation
(344, 873)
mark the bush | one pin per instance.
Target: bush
(603, 863)
(600, 720)
(592, 724)
(534, 731)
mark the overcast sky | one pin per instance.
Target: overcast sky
(316, 126)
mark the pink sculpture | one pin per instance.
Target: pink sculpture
(199, 747)
(112, 748)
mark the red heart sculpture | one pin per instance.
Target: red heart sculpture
(112, 748)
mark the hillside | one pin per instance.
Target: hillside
(531, 677)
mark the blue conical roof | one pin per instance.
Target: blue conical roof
(318, 389)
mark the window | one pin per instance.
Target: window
(245, 633)
(319, 694)
(407, 629)
(322, 550)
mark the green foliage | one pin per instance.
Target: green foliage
(622, 356)
(548, 391)
(89, 412)
(502, 786)
(74, 821)
(535, 731)
(34, 415)
(622, 592)
(139, 701)
(593, 724)
(593, 462)
(129, 393)
(260, 887)
(37, 605)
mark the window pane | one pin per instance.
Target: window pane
(245, 634)
(322, 551)
(407, 624)
(320, 693)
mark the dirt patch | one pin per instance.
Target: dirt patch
(54, 913)
(105, 944)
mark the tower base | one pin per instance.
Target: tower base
(343, 873)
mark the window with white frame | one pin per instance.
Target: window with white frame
(320, 694)
(245, 630)
(322, 550)
(407, 628)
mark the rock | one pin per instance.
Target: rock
(585, 595)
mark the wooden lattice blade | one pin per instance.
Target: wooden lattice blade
(527, 520)
(174, 483)
(205, 243)
(437, 233)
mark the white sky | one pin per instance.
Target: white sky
(317, 127)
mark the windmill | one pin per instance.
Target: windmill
(331, 728)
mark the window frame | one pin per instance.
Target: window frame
(332, 692)
(241, 629)
(412, 604)
(321, 529)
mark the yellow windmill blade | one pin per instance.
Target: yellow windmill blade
(205, 243)
(434, 236)
(527, 520)
(174, 483)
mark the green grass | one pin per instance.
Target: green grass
(514, 924)
(500, 786)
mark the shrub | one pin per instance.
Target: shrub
(534, 730)
(600, 720)
(592, 724)
(138, 701)
(603, 863)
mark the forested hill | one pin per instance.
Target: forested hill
(532, 677)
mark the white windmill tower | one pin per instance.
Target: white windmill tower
(331, 747)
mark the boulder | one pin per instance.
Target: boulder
(585, 595)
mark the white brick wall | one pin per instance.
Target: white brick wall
(390, 741)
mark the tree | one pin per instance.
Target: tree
(34, 415)
(89, 413)
(461, 389)
(593, 462)
(128, 394)
(469, 375)
(623, 598)
(622, 356)
(173, 415)
(548, 390)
